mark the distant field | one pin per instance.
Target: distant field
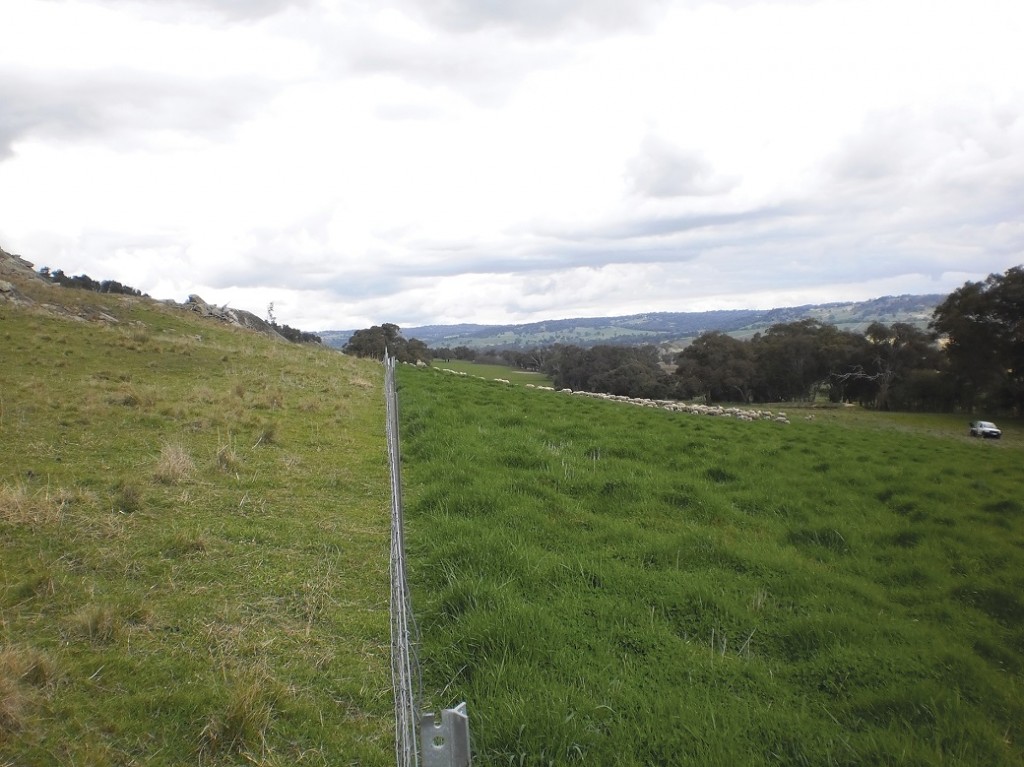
(510, 374)
(612, 585)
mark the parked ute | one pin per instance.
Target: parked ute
(985, 429)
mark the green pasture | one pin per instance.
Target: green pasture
(193, 544)
(491, 372)
(611, 585)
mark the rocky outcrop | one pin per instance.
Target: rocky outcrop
(238, 317)
(18, 269)
(15, 271)
(16, 266)
(10, 293)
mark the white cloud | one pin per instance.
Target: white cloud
(479, 161)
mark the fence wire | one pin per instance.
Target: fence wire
(405, 669)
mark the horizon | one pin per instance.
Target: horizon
(100, 278)
(630, 316)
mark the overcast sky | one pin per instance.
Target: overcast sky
(439, 161)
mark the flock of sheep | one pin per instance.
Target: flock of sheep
(742, 414)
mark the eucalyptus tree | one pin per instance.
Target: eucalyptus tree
(982, 325)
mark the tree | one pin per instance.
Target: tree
(384, 339)
(631, 371)
(898, 351)
(983, 327)
(718, 368)
(790, 362)
(368, 342)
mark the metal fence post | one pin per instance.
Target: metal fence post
(445, 743)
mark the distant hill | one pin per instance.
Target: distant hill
(668, 328)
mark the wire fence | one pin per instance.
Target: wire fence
(405, 669)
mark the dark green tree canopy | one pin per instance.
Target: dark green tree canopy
(631, 371)
(384, 339)
(982, 324)
(718, 368)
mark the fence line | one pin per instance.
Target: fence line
(444, 739)
(405, 670)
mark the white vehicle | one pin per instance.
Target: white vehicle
(985, 429)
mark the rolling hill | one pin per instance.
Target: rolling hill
(674, 329)
(195, 538)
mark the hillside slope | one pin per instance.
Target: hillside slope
(195, 540)
(675, 329)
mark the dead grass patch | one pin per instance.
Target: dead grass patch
(204, 395)
(227, 458)
(133, 396)
(174, 465)
(19, 506)
(266, 434)
(103, 624)
(99, 624)
(23, 673)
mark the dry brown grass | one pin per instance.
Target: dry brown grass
(19, 506)
(266, 434)
(99, 624)
(227, 458)
(204, 394)
(131, 395)
(24, 672)
(269, 399)
(175, 465)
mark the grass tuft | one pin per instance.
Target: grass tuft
(99, 624)
(20, 506)
(174, 465)
(241, 725)
(266, 434)
(227, 458)
(128, 498)
(23, 673)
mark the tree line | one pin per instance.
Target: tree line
(85, 282)
(970, 357)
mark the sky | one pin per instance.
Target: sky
(354, 162)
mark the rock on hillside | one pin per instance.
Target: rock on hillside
(15, 268)
(16, 272)
(239, 317)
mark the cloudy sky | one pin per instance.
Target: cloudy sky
(439, 161)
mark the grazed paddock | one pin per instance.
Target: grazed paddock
(619, 585)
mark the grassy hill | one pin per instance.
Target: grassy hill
(675, 329)
(193, 541)
(194, 552)
(614, 585)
